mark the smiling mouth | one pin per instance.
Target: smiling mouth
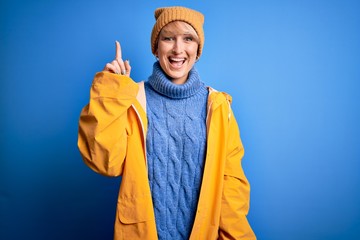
(177, 62)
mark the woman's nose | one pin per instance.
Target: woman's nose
(178, 47)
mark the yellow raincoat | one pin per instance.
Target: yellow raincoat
(112, 132)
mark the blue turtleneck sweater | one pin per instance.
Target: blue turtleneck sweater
(176, 146)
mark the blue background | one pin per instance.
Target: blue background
(292, 67)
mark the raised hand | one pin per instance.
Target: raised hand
(118, 66)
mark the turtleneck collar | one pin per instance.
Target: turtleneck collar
(162, 84)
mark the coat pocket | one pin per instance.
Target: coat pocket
(135, 210)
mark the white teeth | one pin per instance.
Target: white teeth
(177, 59)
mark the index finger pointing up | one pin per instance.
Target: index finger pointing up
(118, 51)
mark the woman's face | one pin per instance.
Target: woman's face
(177, 50)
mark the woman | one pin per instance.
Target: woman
(174, 141)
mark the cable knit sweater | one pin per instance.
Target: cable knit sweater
(176, 146)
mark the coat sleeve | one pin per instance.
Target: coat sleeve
(102, 135)
(236, 190)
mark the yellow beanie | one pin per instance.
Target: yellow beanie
(166, 15)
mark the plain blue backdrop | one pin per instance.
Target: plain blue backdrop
(292, 67)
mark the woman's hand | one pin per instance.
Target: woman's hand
(118, 66)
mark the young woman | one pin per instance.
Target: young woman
(174, 141)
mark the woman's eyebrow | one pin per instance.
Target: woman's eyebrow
(177, 33)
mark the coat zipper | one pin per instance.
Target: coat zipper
(143, 132)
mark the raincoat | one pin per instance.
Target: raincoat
(112, 142)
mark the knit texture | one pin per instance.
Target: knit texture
(166, 15)
(176, 146)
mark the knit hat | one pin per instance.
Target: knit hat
(166, 15)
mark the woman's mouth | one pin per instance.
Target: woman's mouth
(176, 62)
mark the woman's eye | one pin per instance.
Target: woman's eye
(188, 39)
(168, 38)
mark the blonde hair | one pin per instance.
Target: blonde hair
(179, 27)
